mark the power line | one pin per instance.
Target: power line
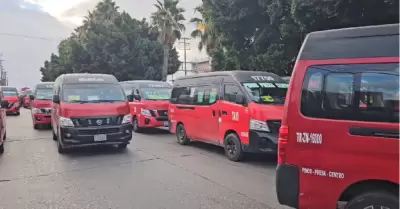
(31, 37)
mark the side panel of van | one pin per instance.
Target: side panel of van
(345, 112)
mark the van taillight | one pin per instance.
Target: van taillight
(282, 143)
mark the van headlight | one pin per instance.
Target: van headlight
(66, 122)
(16, 104)
(126, 119)
(258, 125)
(36, 111)
(146, 112)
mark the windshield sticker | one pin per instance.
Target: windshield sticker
(157, 97)
(282, 85)
(200, 97)
(89, 79)
(49, 86)
(213, 97)
(262, 78)
(267, 85)
(158, 86)
(324, 173)
(267, 99)
(74, 98)
(93, 98)
(309, 138)
(251, 85)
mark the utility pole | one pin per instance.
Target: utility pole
(186, 46)
(3, 73)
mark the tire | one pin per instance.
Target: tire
(5, 136)
(18, 113)
(60, 148)
(374, 199)
(135, 124)
(181, 135)
(122, 146)
(233, 147)
(2, 148)
(54, 135)
(36, 126)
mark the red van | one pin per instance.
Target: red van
(149, 108)
(41, 104)
(238, 110)
(3, 122)
(90, 110)
(339, 139)
(11, 95)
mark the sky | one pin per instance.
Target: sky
(54, 20)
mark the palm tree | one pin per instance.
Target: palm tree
(206, 33)
(167, 21)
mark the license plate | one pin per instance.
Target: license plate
(100, 137)
(166, 124)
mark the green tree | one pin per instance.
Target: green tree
(110, 42)
(167, 21)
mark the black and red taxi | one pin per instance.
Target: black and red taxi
(10, 94)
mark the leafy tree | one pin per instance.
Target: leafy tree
(110, 42)
(167, 21)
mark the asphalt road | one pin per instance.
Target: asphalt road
(153, 173)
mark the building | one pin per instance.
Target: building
(198, 66)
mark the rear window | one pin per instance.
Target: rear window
(361, 92)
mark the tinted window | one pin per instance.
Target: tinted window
(205, 95)
(267, 93)
(10, 92)
(182, 95)
(44, 94)
(231, 90)
(363, 92)
(127, 88)
(92, 93)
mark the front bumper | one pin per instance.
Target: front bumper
(81, 137)
(261, 142)
(13, 109)
(153, 122)
(41, 118)
(287, 185)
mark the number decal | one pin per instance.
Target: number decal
(235, 116)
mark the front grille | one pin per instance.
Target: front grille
(45, 110)
(153, 113)
(162, 112)
(274, 125)
(98, 131)
(97, 121)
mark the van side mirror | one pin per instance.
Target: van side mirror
(240, 99)
(137, 97)
(31, 97)
(130, 98)
(56, 99)
(4, 104)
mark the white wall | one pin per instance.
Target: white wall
(181, 72)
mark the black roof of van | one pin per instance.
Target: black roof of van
(146, 83)
(44, 84)
(8, 88)
(239, 75)
(75, 78)
(347, 43)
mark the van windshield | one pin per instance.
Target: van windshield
(267, 93)
(10, 93)
(44, 94)
(156, 93)
(128, 88)
(92, 93)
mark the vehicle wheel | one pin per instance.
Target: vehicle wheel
(233, 147)
(181, 135)
(122, 146)
(36, 126)
(60, 148)
(54, 135)
(136, 127)
(5, 136)
(2, 148)
(18, 113)
(374, 200)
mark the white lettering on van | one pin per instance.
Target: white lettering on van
(309, 138)
(244, 134)
(90, 79)
(323, 173)
(235, 116)
(262, 78)
(134, 109)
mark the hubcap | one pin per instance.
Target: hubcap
(181, 134)
(135, 124)
(231, 147)
(376, 207)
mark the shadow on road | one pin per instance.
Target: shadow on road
(155, 131)
(96, 151)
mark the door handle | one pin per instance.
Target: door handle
(224, 112)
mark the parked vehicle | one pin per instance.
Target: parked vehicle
(3, 122)
(10, 94)
(89, 110)
(339, 139)
(149, 108)
(238, 110)
(41, 104)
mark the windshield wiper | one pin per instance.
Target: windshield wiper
(78, 101)
(104, 100)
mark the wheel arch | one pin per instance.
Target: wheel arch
(368, 185)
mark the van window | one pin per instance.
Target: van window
(362, 92)
(92, 93)
(267, 93)
(205, 95)
(10, 92)
(231, 90)
(156, 93)
(181, 95)
(44, 94)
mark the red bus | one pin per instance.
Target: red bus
(90, 110)
(238, 110)
(11, 95)
(149, 108)
(339, 139)
(41, 104)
